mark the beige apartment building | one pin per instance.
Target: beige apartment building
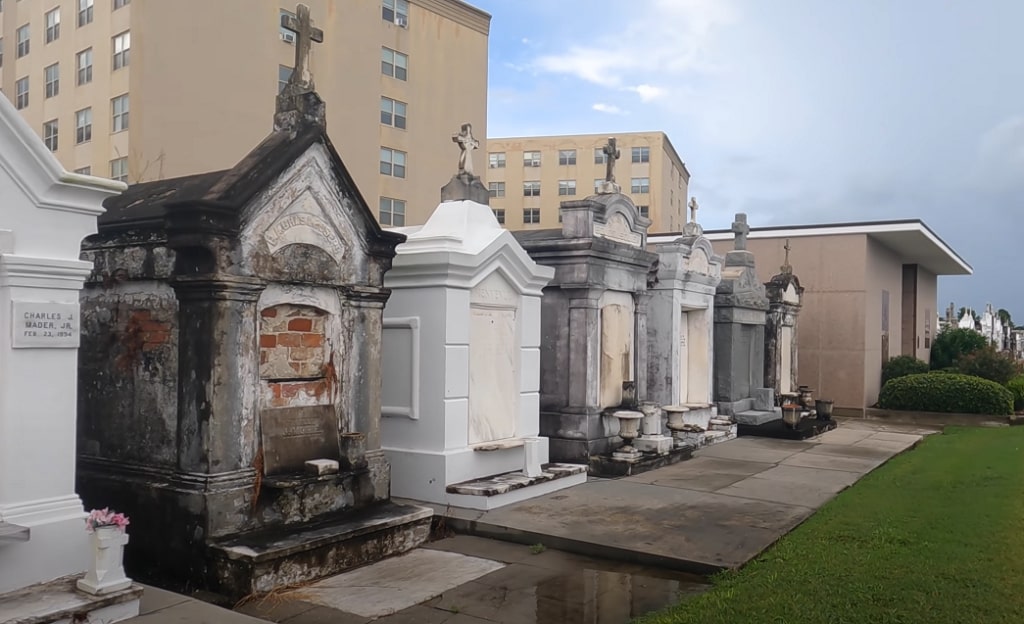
(154, 89)
(870, 294)
(529, 177)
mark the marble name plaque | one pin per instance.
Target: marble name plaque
(41, 325)
(617, 229)
(293, 435)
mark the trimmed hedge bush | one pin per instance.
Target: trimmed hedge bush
(1016, 388)
(901, 366)
(946, 393)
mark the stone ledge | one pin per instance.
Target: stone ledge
(808, 428)
(13, 533)
(504, 483)
(604, 466)
(59, 601)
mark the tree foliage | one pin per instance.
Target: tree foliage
(952, 343)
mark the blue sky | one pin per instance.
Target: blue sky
(796, 111)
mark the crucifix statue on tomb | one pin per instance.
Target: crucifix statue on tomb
(786, 268)
(740, 229)
(301, 80)
(693, 209)
(611, 154)
(466, 144)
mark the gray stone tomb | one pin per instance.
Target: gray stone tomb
(230, 366)
(591, 315)
(785, 296)
(740, 314)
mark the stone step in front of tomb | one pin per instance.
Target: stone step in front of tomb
(808, 427)
(717, 437)
(261, 562)
(511, 487)
(59, 601)
(756, 417)
(721, 424)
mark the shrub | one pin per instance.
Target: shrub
(901, 366)
(952, 343)
(946, 392)
(990, 364)
(1016, 388)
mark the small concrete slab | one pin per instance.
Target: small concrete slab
(796, 476)
(389, 586)
(843, 435)
(781, 492)
(852, 451)
(738, 449)
(821, 461)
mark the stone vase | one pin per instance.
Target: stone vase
(107, 572)
(353, 450)
(791, 415)
(629, 428)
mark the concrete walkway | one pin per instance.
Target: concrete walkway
(717, 510)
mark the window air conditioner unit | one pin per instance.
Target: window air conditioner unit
(288, 37)
(402, 20)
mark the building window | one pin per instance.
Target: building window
(396, 12)
(83, 61)
(122, 47)
(567, 157)
(499, 214)
(84, 170)
(21, 93)
(119, 109)
(84, 12)
(286, 35)
(50, 135)
(53, 25)
(531, 189)
(641, 154)
(392, 112)
(640, 185)
(83, 125)
(51, 78)
(496, 189)
(567, 187)
(284, 73)
(120, 4)
(394, 64)
(531, 159)
(392, 162)
(531, 215)
(600, 157)
(21, 36)
(119, 169)
(392, 212)
(645, 211)
(496, 160)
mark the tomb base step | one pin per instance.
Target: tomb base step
(60, 601)
(719, 436)
(605, 466)
(808, 427)
(757, 417)
(512, 487)
(721, 424)
(261, 562)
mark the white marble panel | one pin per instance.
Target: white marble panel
(493, 385)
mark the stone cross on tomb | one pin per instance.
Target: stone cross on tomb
(467, 144)
(694, 206)
(740, 229)
(301, 80)
(611, 154)
(786, 268)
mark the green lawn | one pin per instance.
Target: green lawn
(934, 536)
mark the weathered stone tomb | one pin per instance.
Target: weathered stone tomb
(230, 367)
(592, 314)
(785, 296)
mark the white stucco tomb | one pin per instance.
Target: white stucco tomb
(45, 213)
(461, 365)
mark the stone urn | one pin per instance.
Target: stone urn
(629, 429)
(791, 415)
(107, 572)
(823, 408)
(676, 417)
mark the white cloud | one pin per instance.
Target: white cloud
(661, 40)
(611, 109)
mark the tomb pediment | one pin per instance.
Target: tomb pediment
(612, 217)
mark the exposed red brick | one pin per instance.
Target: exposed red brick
(140, 315)
(315, 388)
(300, 325)
(312, 340)
(268, 341)
(151, 346)
(276, 389)
(289, 340)
(155, 326)
(269, 313)
(156, 337)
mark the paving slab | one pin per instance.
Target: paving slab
(397, 583)
(765, 450)
(843, 435)
(822, 461)
(782, 492)
(801, 475)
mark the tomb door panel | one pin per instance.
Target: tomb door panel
(616, 352)
(493, 375)
(684, 357)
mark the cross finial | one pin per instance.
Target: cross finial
(740, 229)
(694, 206)
(301, 80)
(467, 144)
(611, 154)
(786, 268)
